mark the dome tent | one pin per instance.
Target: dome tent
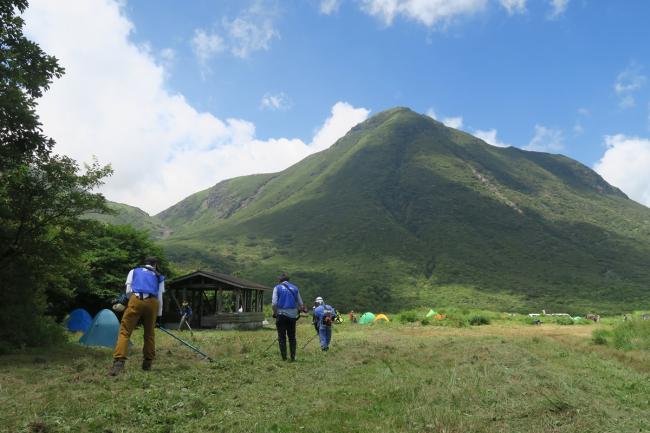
(381, 318)
(367, 318)
(79, 320)
(103, 331)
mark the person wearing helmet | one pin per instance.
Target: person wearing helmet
(314, 320)
(325, 315)
(286, 304)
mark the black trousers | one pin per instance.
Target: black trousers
(286, 327)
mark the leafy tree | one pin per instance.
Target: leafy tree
(110, 252)
(42, 195)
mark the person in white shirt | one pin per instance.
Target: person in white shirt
(146, 286)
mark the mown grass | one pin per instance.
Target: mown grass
(394, 377)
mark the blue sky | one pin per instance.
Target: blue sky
(275, 80)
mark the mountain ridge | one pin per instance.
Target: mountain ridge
(403, 210)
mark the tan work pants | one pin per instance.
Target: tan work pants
(147, 309)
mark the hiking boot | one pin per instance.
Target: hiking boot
(146, 364)
(292, 350)
(325, 349)
(118, 367)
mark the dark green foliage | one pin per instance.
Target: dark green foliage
(42, 195)
(408, 317)
(478, 320)
(110, 252)
(601, 336)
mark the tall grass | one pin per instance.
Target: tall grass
(632, 335)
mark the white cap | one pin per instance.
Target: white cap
(319, 300)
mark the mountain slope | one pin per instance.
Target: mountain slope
(136, 217)
(403, 210)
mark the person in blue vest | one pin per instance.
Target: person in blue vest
(287, 305)
(325, 314)
(145, 285)
(186, 316)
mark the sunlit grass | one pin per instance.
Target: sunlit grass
(502, 377)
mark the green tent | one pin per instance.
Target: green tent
(367, 318)
(431, 313)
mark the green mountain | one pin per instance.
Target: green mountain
(129, 215)
(404, 211)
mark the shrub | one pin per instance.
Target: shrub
(408, 317)
(425, 322)
(478, 320)
(632, 335)
(563, 320)
(599, 336)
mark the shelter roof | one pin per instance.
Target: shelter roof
(216, 278)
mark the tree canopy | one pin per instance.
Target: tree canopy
(44, 239)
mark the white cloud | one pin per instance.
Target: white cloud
(328, 7)
(427, 12)
(490, 137)
(112, 102)
(274, 102)
(205, 45)
(558, 8)
(453, 122)
(168, 57)
(343, 117)
(583, 111)
(626, 164)
(514, 6)
(630, 80)
(252, 31)
(250, 34)
(546, 140)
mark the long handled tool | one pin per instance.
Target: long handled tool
(166, 331)
(180, 310)
(271, 345)
(310, 340)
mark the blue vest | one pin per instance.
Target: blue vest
(324, 310)
(287, 295)
(145, 281)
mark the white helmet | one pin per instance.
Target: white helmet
(319, 300)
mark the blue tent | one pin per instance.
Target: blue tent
(79, 320)
(103, 331)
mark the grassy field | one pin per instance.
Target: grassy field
(503, 377)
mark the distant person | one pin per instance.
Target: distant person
(286, 304)
(314, 320)
(186, 316)
(326, 315)
(353, 318)
(146, 286)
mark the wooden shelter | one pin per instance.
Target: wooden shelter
(218, 300)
